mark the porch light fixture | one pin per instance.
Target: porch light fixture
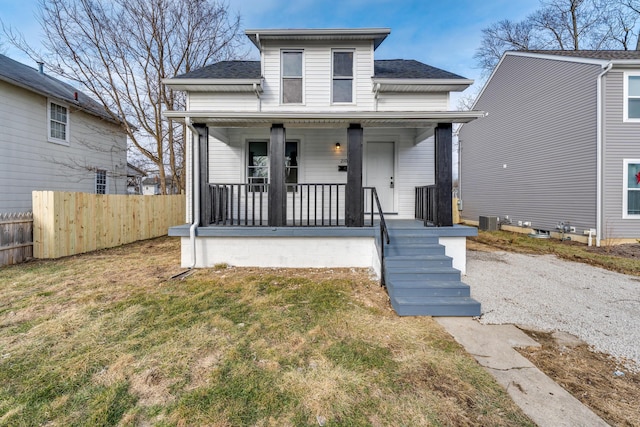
(337, 146)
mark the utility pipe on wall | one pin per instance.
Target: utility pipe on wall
(599, 143)
(195, 189)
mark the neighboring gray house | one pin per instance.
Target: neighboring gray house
(560, 144)
(54, 137)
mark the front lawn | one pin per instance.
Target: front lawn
(108, 338)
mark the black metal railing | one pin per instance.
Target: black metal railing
(374, 204)
(426, 204)
(315, 205)
(307, 205)
(238, 204)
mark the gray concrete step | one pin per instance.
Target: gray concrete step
(435, 306)
(413, 288)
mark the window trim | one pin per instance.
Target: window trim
(625, 115)
(106, 181)
(282, 76)
(353, 76)
(49, 120)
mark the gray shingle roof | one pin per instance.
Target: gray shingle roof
(225, 70)
(29, 78)
(592, 54)
(409, 69)
(387, 68)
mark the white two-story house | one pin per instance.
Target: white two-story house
(318, 155)
(54, 137)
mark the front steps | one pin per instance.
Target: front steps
(420, 278)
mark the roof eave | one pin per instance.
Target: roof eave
(376, 34)
(215, 85)
(391, 85)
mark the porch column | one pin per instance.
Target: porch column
(203, 152)
(354, 209)
(444, 175)
(277, 191)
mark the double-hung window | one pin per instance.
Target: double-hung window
(292, 80)
(58, 127)
(632, 97)
(342, 73)
(258, 164)
(101, 181)
(631, 196)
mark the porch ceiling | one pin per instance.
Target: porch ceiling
(377, 119)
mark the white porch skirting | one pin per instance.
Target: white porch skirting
(296, 252)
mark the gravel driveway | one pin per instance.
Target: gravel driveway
(543, 292)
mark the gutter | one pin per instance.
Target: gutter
(599, 151)
(195, 190)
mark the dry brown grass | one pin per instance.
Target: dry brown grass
(106, 338)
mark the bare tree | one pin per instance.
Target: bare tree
(561, 25)
(120, 50)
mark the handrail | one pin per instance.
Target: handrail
(384, 231)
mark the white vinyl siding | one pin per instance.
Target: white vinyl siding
(318, 77)
(29, 162)
(413, 102)
(631, 97)
(205, 101)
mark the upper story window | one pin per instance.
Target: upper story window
(632, 97)
(292, 83)
(58, 128)
(342, 73)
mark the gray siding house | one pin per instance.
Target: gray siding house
(560, 144)
(54, 137)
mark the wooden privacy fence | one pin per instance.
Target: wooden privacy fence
(16, 233)
(71, 223)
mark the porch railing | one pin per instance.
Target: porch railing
(308, 205)
(426, 204)
(374, 203)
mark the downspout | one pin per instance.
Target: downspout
(195, 189)
(376, 93)
(599, 150)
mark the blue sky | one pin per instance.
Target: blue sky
(441, 33)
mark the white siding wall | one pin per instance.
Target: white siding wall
(29, 162)
(413, 101)
(204, 101)
(317, 77)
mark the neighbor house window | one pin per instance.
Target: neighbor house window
(101, 181)
(58, 123)
(632, 96)
(292, 77)
(342, 70)
(631, 196)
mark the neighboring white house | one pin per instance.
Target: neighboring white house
(292, 149)
(54, 137)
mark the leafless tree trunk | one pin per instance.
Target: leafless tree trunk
(121, 50)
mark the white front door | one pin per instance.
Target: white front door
(380, 172)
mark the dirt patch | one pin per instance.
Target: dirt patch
(628, 250)
(595, 379)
